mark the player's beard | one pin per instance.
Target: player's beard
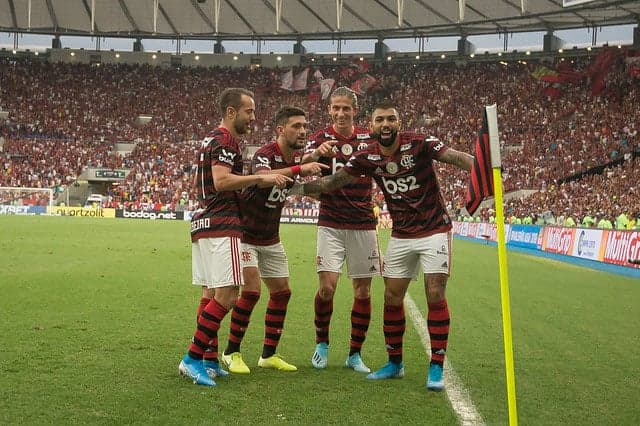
(241, 127)
(297, 144)
(384, 141)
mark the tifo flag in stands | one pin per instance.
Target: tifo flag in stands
(599, 68)
(313, 97)
(363, 84)
(633, 66)
(542, 71)
(300, 80)
(287, 80)
(481, 174)
(326, 85)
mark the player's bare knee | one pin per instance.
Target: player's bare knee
(393, 296)
(227, 296)
(435, 287)
(277, 285)
(361, 288)
(326, 291)
(208, 293)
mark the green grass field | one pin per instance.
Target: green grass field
(96, 314)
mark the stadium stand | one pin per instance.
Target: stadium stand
(65, 118)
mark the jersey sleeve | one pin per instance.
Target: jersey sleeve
(433, 147)
(357, 166)
(223, 153)
(262, 161)
(312, 144)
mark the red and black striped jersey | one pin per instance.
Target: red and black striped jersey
(349, 207)
(261, 207)
(409, 184)
(218, 213)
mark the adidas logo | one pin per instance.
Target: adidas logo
(444, 265)
(378, 170)
(440, 352)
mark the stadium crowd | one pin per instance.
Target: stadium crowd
(66, 117)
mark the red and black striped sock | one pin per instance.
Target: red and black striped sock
(240, 316)
(204, 301)
(438, 327)
(393, 328)
(360, 319)
(274, 321)
(211, 354)
(323, 311)
(206, 335)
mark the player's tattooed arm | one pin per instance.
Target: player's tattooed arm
(457, 158)
(327, 183)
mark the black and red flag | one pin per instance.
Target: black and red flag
(481, 173)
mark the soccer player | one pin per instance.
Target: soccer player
(346, 230)
(402, 165)
(216, 229)
(262, 250)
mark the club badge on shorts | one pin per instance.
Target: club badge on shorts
(392, 167)
(347, 149)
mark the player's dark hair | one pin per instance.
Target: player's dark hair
(232, 97)
(384, 104)
(283, 114)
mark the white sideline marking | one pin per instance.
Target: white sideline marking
(457, 394)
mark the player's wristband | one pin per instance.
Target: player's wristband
(295, 170)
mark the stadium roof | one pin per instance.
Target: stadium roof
(307, 19)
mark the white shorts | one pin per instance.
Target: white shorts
(405, 256)
(271, 260)
(216, 262)
(359, 247)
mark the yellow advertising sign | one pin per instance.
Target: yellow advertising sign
(83, 212)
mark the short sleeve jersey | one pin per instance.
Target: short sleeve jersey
(262, 207)
(218, 213)
(409, 184)
(349, 207)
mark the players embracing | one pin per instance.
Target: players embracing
(401, 163)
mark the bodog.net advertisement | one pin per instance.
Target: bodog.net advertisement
(83, 212)
(149, 215)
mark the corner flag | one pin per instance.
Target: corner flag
(486, 179)
(481, 177)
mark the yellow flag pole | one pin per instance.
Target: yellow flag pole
(494, 142)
